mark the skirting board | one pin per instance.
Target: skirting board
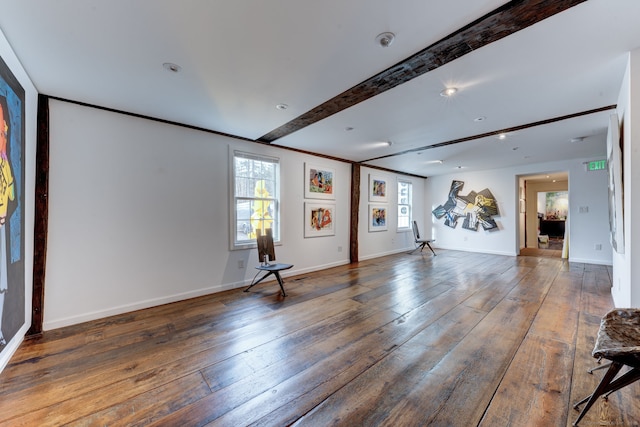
(140, 305)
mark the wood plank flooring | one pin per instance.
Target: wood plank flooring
(460, 339)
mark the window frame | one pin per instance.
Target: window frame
(272, 199)
(409, 205)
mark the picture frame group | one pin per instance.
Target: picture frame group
(319, 214)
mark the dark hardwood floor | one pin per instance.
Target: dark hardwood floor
(460, 339)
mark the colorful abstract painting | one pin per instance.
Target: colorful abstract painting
(377, 217)
(377, 189)
(476, 209)
(319, 219)
(318, 182)
(12, 135)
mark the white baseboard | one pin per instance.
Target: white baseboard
(153, 302)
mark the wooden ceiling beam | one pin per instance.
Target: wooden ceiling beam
(502, 22)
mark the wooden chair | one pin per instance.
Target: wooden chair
(419, 242)
(619, 342)
(266, 253)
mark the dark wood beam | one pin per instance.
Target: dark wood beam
(492, 133)
(502, 22)
(355, 209)
(41, 217)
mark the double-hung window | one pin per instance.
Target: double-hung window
(404, 205)
(256, 196)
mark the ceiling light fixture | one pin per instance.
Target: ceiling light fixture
(578, 139)
(502, 136)
(348, 128)
(449, 92)
(385, 39)
(282, 106)
(170, 66)
(480, 119)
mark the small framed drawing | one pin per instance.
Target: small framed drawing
(318, 182)
(319, 219)
(377, 217)
(377, 189)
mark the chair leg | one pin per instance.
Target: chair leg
(434, 254)
(420, 246)
(602, 388)
(627, 378)
(259, 280)
(606, 365)
(281, 283)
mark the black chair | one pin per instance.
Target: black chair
(266, 253)
(419, 242)
(619, 342)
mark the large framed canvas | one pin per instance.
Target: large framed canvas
(378, 191)
(319, 219)
(12, 175)
(616, 191)
(378, 217)
(318, 182)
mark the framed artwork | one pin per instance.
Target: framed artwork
(614, 166)
(378, 217)
(319, 219)
(378, 191)
(318, 182)
(12, 223)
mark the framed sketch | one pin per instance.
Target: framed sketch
(319, 219)
(318, 182)
(378, 217)
(378, 191)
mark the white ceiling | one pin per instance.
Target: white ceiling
(241, 58)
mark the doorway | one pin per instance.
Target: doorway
(544, 209)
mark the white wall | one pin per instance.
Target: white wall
(138, 215)
(585, 229)
(31, 104)
(626, 289)
(379, 243)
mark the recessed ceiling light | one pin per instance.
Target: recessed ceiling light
(282, 106)
(170, 66)
(348, 128)
(448, 92)
(385, 39)
(480, 119)
(515, 148)
(578, 139)
(502, 136)
(459, 167)
(389, 143)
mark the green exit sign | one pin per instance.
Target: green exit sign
(597, 165)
